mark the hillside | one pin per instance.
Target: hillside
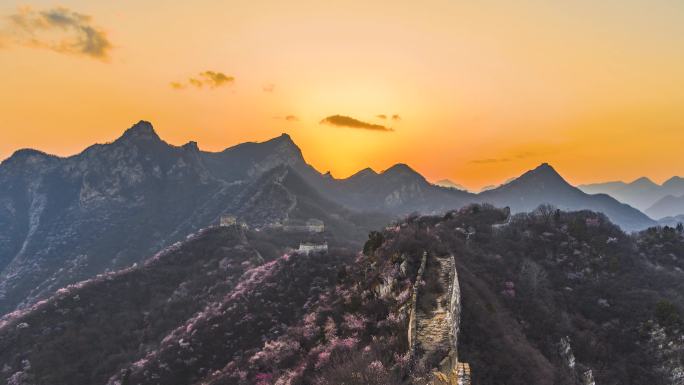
(668, 206)
(547, 297)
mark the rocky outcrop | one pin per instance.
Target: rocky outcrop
(668, 347)
(578, 372)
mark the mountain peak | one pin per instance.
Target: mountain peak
(362, 175)
(365, 172)
(399, 167)
(28, 155)
(674, 181)
(544, 170)
(191, 146)
(141, 130)
(283, 138)
(283, 142)
(545, 167)
(643, 182)
(544, 173)
(402, 170)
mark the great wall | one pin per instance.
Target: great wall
(434, 321)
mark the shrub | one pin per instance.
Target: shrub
(666, 313)
(373, 243)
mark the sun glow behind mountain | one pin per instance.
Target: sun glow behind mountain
(471, 92)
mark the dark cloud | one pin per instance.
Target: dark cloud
(212, 79)
(381, 116)
(396, 117)
(216, 79)
(268, 88)
(346, 121)
(59, 29)
(195, 82)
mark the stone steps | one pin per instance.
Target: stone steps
(436, 328)
(433, 326)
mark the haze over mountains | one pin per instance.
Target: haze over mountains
(65, 219)
(656, 200)
(451, 184)
(666, 207)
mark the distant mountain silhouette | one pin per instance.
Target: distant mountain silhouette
(66, 219)
(545, 185)
(667, 206)
(641, 193)
(399, 190)
(672, 221)
(450, 184)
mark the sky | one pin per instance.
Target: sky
(472, 91)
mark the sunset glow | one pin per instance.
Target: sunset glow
(482, 91)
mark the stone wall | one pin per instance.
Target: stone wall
(414, 302)
(433, 329)
(454, 318)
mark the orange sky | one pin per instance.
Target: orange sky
(485, 90)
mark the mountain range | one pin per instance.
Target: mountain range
(656, 200)
(65, 219)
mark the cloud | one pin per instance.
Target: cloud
(58, 29)
(212, 79)
(289, 118)
(216, 79)
(268, 88)
(346, 121)
(195, 82)
(393, 117)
